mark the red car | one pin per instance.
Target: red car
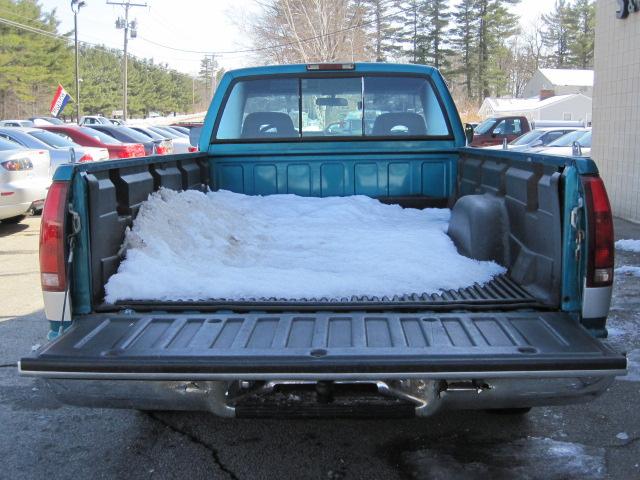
(89, 137)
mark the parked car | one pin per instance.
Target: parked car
(182, 129)
(60, 149)
(165, 144)
(493, 131)
(88, 137)
(37, 121)
(564, 145)
(528, 337)
(564, 141)
(172, 130)
(129, 135)
(179, 141)
(535, 138)
(24, 180)
(117, 121)
(94, 120)
(16, 123)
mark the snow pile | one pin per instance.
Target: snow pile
(224, 245)
(628, 245)
(630, 270)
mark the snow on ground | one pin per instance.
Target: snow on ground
(191, 245)
(628, 245)
(531, 458)
(628, 270)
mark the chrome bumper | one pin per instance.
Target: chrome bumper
(427, 396)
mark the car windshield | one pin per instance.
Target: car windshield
(528, 137)
(101, 137)
(585, 140)
(484, 126)
(151, 134)
(9, 145)
(568, 139)
(52, 139)
(166, 133)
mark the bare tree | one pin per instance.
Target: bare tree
(306, 31)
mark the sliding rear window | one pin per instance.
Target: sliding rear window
(369, 107)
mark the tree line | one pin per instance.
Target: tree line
(478, 45)
(33, 63)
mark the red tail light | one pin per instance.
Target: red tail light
(192, 148)
(52, 234)
(86, 158)
(600, 241)
(161, 149)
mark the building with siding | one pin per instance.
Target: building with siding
(559, 81)
(616, 107)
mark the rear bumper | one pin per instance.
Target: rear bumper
(418, 397)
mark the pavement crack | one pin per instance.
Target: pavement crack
(214, 453)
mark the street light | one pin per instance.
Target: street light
(76, 5)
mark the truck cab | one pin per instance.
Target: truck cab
(494, 130)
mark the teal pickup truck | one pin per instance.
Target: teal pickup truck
(527, 338)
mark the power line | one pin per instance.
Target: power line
(280, 45)
(58, 36)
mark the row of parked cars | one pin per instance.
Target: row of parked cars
(31, 150)
(552, 141)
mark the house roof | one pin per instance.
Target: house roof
(566, 76)
(526, 104)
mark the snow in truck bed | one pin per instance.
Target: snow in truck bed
(223, 245)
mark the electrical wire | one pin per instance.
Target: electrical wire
(280, 45)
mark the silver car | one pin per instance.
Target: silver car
(24, 180)
(61, 150)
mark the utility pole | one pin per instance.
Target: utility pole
(214, 80)
(123, 23)
(76, 5)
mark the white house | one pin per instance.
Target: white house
(575, 107)
(559, 81)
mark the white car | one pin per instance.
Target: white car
(560, 147)
(16, 123)
(24, 180)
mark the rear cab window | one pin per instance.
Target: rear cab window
(354, 107)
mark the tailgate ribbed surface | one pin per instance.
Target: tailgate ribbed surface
(501, 291)
(324, 342)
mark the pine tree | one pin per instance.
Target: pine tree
(556, 34)
(437, 18)
(381, 25)
(581, 36)
(464, 43)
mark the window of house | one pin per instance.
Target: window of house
(567, 116)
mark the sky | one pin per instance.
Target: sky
(197, 25)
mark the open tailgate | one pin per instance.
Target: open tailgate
(324, 346)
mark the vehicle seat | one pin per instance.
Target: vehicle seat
(268, 124)
(385, 123)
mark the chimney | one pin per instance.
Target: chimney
(544, 94)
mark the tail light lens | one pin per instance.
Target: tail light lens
(86, 158)
(161, 149)
(600, 241)
(52, 244)
(192, 149)
(17, 165)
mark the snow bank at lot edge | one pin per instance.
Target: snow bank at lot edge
(196, 246)
(628, 245)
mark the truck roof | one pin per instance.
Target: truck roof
(302, 68)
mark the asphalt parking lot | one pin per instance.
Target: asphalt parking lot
(40, 438)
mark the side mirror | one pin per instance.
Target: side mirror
(494, 135)
(537, 143)
(194, 136)
(468, 132)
